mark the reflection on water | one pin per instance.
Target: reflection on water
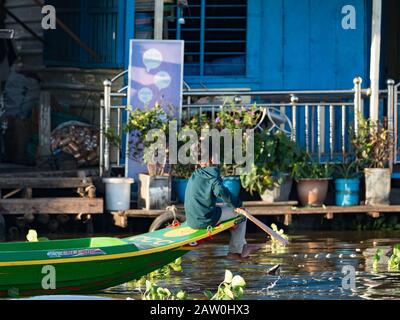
(311, 268)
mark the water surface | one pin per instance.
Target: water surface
(311, 268)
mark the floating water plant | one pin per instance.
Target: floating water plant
(376, 259)
(159, 274)
(154, 292)
(394, 261)
(232, 288)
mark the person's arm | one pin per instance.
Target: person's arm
(220, 191)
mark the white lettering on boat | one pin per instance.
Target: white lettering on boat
(75, 253)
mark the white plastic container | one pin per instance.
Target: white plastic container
(118, 193)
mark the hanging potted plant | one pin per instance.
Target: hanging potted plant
(372, 147)
(271, 177)
(153, 186)
(347, 184)
(312, 181)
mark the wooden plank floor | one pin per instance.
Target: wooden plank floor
(287, 209)
(52, 206)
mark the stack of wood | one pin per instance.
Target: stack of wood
(80, 141)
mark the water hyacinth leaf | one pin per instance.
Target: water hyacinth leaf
(228, 276)
(209, 295)
(149, 285)
(228, 292)
(32, 236)
(238, 282)
(239, 292)
(181, 295)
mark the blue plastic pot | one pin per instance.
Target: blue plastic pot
(179, 189)
(233, 184)
(347, 192)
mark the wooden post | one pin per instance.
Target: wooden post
(2, 228)
(44, 124)
(158, 19)
(375, 58)
(288, 220)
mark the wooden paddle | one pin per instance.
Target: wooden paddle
(262, 226)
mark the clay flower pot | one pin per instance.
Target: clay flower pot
(312, 192)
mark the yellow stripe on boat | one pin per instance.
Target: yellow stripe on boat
(178, 246)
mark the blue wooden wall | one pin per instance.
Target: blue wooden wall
(300, 44)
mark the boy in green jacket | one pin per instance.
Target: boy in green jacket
(203, 189)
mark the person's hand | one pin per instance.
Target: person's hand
(239, 210)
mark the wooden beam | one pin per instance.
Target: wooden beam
(44, 124)
(52, 206)
(375, 58)
(45, 183)
(158, 19)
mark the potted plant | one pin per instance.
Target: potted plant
(347, 184)
(372, 146)
(181, 174)
(153, 186)
(233, 117)
(312, 181)
(271, 177)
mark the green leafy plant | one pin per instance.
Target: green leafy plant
(376, 259)
(159, 274)
(347, 170)
(154, 292)
(275, 157)
(257, 180)
(140, 124)
(183, 170)
(233, 117)
(394, 260)
(232, 288)
(372, 143)
(308, 168)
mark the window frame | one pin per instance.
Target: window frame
(82, 60)
(252, 76)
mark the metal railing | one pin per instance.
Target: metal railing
(393, 104)
(318, 120)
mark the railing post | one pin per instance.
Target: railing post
(357, 102)
(390, 117)
(107, 114)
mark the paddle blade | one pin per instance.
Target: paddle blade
(264, 227)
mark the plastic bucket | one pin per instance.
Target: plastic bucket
(347, 192)
(179, 189)
(118, 193)
(233, 184)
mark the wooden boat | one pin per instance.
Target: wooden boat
(91, 264)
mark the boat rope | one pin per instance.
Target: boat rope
(175, 223)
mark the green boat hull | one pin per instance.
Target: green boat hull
(92, 264)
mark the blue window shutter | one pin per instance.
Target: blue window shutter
(215, 34)
(98, 23)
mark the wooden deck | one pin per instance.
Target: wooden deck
(17, 196)
(286, 209)
(57, 205)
